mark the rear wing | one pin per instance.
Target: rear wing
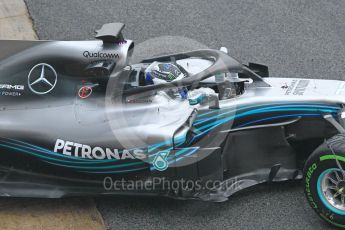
(110, 33)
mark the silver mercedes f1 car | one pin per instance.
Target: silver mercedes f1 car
(77, 118)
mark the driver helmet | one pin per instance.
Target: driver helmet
(159, 72)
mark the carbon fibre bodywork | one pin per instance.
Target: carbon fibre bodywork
(96, 119)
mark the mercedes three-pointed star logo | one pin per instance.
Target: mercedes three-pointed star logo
(42, 78)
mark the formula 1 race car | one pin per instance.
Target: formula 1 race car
(78, 119)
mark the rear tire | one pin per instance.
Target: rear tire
(324, 181)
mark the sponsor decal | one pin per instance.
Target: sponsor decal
(8, 86)
(88, 54)
(285, 86)
(297, 87)
(70, 148)
(12, 94)
(341, 89)
(301, 87)
(85, 92)
(290, 87)
(13, 90)
(310, 172)
(42, 79)
(160, 162)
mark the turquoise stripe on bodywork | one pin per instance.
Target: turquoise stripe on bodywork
(244, 108)
(94, 166)
(238, 108)
(224, 120)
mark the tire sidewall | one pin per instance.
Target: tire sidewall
(317, 164)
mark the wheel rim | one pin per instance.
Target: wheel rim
(332, 186)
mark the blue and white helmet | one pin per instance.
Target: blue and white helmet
(159, 72)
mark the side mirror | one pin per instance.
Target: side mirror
(213, 101)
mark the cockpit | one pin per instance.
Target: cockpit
(196, 76)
